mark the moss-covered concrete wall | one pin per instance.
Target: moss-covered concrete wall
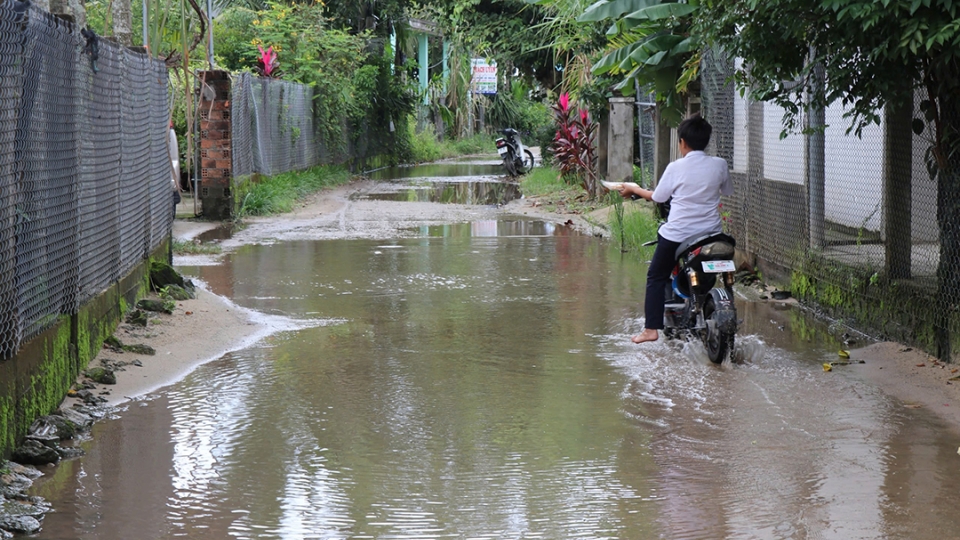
(896, 310)
(34, 382)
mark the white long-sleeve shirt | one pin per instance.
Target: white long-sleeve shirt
(695, 182)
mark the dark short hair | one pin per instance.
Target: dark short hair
(696, 131)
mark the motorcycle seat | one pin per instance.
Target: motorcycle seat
(701, 240)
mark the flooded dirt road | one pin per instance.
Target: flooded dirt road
(474, 378)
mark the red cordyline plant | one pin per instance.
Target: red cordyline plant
(267, 63)
(574, 145)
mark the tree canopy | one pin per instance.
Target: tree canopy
(872, 52)
(650, 43)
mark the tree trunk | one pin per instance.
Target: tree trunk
(948, 220)
(122, 22)
(898, 190)
(74, 9)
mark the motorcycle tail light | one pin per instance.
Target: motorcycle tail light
(695, 252)
(501, 143)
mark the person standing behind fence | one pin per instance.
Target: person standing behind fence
(174, 149)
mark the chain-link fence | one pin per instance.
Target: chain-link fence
(852, 220)
(85, 185)
(272, 126)
(276, 128)
(645, 141)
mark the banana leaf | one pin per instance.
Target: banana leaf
(658, 12)
(662, 42)
(685, 46)
(636, 59)
(615, 58)
(611, 9)
(664, 80)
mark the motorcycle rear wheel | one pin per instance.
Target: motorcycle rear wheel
(509, 166)
(528, 161)
(717, 343)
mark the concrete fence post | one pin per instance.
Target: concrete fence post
(620, 140)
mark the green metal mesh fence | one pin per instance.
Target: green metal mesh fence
(851, 220)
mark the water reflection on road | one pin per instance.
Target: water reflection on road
(473, 191)
(484, 386)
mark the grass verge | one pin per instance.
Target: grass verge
(278, 194)
(192, 247)
(554, 194)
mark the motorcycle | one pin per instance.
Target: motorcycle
(700, 293)
(516, 158)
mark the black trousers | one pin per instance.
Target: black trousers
(176, 201)
(658, 276)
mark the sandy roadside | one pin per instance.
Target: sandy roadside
(915, 378)
(207, 327)
(199, 330)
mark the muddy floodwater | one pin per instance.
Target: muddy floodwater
(476, 379)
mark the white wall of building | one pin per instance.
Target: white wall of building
(854, 173)
(853, 168)
(784, 160)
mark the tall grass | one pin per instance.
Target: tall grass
(278, 194)
(632, 224)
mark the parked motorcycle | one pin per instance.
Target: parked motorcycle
(516, 158)
(700, 295)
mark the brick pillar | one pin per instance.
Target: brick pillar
(216, 165)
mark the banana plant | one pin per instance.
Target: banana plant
(649, 42)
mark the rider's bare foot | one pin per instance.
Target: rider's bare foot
(649, 334)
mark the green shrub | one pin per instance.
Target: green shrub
(643, 176)
(233, 30)
(424, 146)
(477, 144)
(278, 194)
(503, 111)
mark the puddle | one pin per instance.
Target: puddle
(496, 227)
(449, 169)
(473, 192)
(215, 235)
